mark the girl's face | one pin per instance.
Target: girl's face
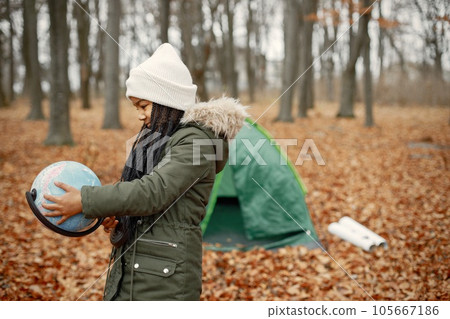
(144, 109)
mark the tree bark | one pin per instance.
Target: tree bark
(98, 75)
(306, 82)
(222, 55)
(164, 17)
(349, 74)
(59, 128)
(290, 65)
(83, 29)
(249, 57)
(327, 67)
(215, 46)
(232, 73)
(331, 88)
(380, 45)
(347, 93)
(111, 119)
(25, 57)
(30, 23)
(196, 58)
(188, 21)
(259, 21)
(203, 53)
(351, 32)
(3, 101)
(186, 25)
(368, 101)
(11, 96)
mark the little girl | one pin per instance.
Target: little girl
(155, 211)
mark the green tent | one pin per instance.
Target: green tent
(258, 199)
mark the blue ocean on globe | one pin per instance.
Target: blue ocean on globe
(70, 173)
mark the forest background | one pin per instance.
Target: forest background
(366, 80)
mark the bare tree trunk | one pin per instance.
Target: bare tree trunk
(215, 48)
(347, 93)
(349, 74)
(25, 57)
(306, 82)
(30, 23)
(222, 56)
(187, 25)
(59, 128)
(196, 58)
(98, 75)
(331, 88)
(249, 57)
(3, 101)
(262, 15)
(367, 81)
(328, 64)
(232, 75)
(327, 53)
(111, 119)
(310, 90)
(380, 45)
(351, 32)
(83, 29)
(290, 65)
(203, 53)
(11, 53)
(164, 16)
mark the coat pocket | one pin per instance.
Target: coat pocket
(160, 249)
(154, 266)
(158, 242)
(152, 278)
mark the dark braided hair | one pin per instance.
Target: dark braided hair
(144, 157)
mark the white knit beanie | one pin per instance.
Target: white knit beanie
(163, 78)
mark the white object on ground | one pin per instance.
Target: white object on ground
(351, 236)
(361, 229)
(357, 234)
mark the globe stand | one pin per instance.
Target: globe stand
(31, 197)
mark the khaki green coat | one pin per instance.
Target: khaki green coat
(165, 263)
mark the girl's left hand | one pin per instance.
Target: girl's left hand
(66, 205)
(109, 223)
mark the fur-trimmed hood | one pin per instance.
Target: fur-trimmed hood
(224, 116)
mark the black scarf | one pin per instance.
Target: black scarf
(144, 157)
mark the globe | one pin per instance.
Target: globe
(70, 173)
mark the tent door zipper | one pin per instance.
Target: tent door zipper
(160, 243)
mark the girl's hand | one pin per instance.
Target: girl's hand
(66, 205)
(109, 223)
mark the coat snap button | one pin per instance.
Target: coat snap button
(139, 222)
(166, 270)
(136, 265)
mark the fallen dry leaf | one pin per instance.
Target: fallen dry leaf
(371, 175)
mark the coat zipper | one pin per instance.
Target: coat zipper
(160, 242)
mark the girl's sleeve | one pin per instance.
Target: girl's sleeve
(177, 172)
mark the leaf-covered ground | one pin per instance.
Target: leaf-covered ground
(394, 178)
